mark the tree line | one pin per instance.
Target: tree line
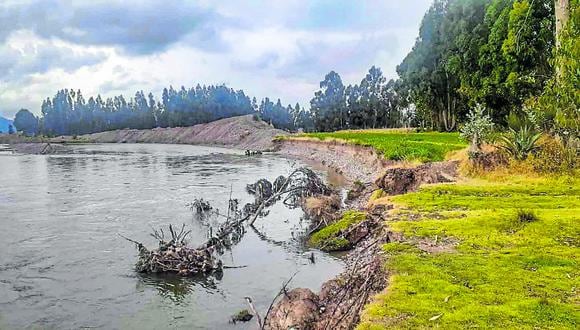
(373, 103)
(69, 113)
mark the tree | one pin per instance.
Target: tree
(370, 96)
(556, 109)
(329, 104)
(25, 121)
(10, 129)
(562, 16)
(493, 52)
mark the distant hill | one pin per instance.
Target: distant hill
(4, 123)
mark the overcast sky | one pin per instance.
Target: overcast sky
(279, 49)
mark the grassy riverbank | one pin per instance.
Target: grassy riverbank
(512, 263)
(398, 144)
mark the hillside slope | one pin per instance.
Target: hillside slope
(237, 132)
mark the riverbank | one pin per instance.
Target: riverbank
(497, 251)
(359, 226)
(356, 163)
(494, 250)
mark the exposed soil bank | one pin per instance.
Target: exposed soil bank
(237, 132)
(356, 163)
(340, 300)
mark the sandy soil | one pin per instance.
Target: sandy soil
(237, 132)
(355, 163)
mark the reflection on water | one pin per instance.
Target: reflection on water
(177, 288)
(63, 266)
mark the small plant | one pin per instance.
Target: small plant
(519, 144)
(478, 128)
(526, 216)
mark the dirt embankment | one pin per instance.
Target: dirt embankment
(340, 300)
(356, 163)
(242, 132)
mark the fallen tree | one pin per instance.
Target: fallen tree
(176, 256)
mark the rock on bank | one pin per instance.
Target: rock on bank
(243, 132)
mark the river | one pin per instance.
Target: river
(62, 264)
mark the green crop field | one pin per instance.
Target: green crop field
(513, 264)
(398, 144)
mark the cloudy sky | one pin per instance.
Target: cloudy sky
(280, 49)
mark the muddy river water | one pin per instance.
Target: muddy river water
(63, 266)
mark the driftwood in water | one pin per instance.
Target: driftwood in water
(199, 205)
(292, 190)
(174, 255)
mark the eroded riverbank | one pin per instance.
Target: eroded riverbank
(371, 179)
(356, 163)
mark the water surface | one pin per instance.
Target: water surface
(62, 264)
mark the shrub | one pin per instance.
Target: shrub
(554, 157)
(526, 216)
(519, 144)
(479, 127)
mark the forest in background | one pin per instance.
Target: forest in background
(498, 55)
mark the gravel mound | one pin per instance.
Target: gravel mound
(243, 132)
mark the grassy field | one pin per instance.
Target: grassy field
(399, 144)
(514, 266)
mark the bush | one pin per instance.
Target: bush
(479, 127)
(554, 157)
(519, 144)
(526, 216)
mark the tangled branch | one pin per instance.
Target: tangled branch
(177, 257)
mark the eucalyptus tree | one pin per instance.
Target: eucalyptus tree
(328, 105)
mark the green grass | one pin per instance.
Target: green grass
(400, 145)
(515, 267)
(328, 238)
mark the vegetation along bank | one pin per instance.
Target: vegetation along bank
(463, 240)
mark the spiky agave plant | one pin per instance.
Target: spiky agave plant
(519, 144)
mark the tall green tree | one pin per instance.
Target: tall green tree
(371, 97)
(328, 105)
(26, 122)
